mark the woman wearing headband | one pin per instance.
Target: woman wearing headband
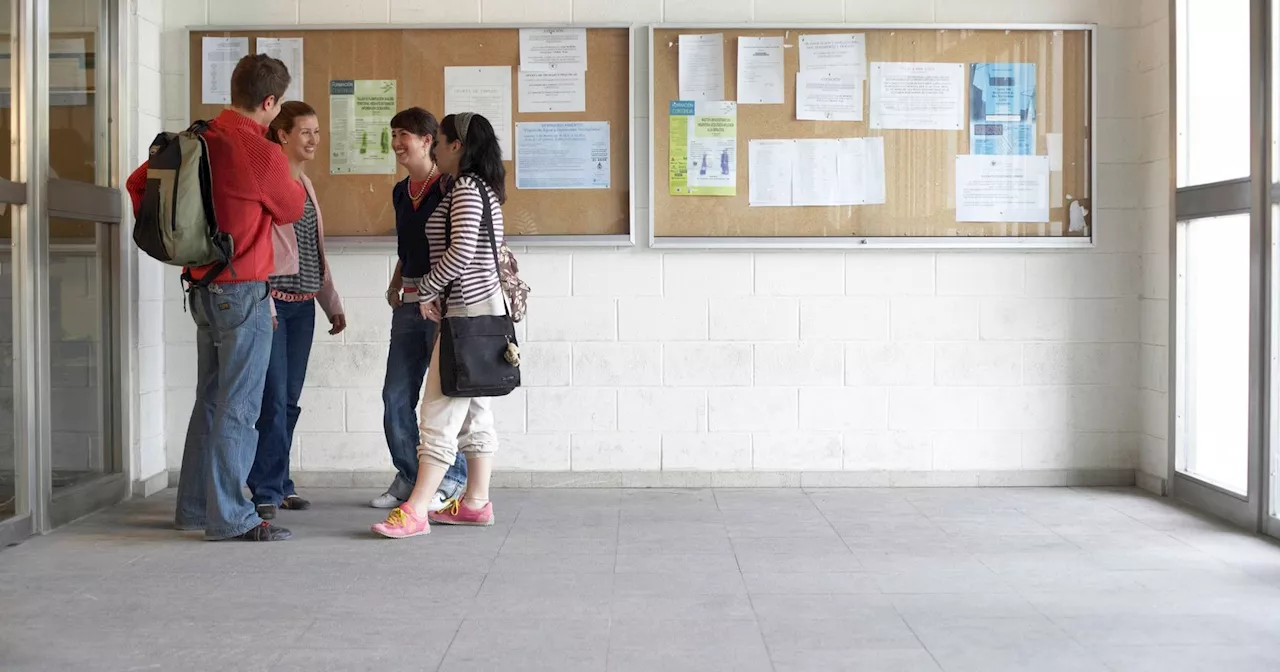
(466, 148)
(415, 199)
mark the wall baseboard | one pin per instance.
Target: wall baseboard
(748, 479)
(1156, 485)
(154, 484)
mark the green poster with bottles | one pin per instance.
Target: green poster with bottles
(360, 112)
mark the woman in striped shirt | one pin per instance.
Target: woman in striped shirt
(413, 132)
(301, 280)
(464, 278)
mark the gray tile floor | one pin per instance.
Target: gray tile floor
(994, 580)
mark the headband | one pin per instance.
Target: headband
(463, 121)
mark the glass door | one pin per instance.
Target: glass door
(1220, 244)
(85, 467)
(61, 324)
(18, 481)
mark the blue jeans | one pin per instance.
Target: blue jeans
(412, 338)
(233, 344)
(290, 350)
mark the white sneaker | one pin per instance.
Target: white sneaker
(386, 501)
(438, 501)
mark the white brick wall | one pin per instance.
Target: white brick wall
(639, 360)
(1153, 208)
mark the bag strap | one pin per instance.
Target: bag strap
(217, 238)
(486, 222)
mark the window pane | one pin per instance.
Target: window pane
(1215, 350)
(1213, 90)
(76, 347)
(6, 89)
(77, 132)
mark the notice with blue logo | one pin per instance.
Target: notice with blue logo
(1002, 109)
(562, 155)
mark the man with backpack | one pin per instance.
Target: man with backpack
(207, 199)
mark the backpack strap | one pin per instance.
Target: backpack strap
(220, 240)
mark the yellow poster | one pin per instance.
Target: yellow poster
(704, 148)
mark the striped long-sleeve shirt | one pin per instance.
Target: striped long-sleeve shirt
(466, 258)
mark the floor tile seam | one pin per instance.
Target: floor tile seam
(445, 655)
(897, 610)
(844, 542)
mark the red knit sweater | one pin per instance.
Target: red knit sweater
(252, 188)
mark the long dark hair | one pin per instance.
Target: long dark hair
(290, 111)
(481, 153)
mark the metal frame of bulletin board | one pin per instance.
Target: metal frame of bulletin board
(549, 240)
(1047, 238)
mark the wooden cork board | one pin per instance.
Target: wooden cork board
(919, 165)
(360, 205)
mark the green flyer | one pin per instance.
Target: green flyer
(360, 112)
(704, 148)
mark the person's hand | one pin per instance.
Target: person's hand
(393, 297)
(339, 323)
(274, 323)
(430, 310)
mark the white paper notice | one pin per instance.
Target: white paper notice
(861, 170)
(918, 96)
(702, 67)
(1002, 188)
(760, 72)
(553, 49)
(289, 51)
(828, 95)
(816, 173)
(770, 172)
(565, 155)
(1054, 140)
(553, 91)
(219, 56)
(485, 91)
(834, 52)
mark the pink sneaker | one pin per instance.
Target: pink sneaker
(402, 522)
(455, 512)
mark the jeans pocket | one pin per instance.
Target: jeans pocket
(231, 308)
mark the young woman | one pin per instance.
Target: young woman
(466, 148)
(300, 280)
(415, 199)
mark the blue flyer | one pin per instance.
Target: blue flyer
(1002, 109)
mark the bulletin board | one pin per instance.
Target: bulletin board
(919, 207)
(359, 206)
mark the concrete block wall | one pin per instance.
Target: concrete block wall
(1154, 109)
(895, 367)
(146, 24)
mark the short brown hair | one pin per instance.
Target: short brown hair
(257, 76)
(289, 113)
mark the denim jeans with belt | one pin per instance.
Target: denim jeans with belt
(290, 350)
(412, 339)
(233, 344)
